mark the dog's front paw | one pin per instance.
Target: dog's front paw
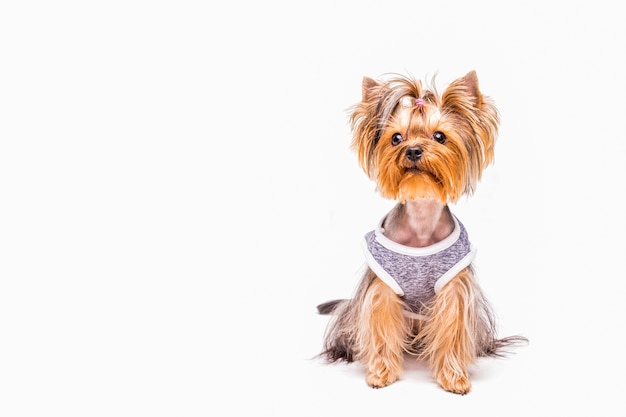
(458, 384)
(380, 378)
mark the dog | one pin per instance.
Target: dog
(419, 294)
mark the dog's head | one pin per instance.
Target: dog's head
(415, 143)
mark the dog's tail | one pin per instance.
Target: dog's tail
(340, 336)
(329, 306)
(503, 346)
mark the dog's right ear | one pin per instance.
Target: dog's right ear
(364, 121)
(369, 89)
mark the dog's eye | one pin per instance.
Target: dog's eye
(439, 137)
(396, 139)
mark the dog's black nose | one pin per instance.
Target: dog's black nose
(413, 154)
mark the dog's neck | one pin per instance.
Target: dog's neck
(419, 223)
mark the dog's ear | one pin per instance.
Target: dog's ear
(471, 84)
(464, 99)
(468, 87)
(369, 89)
(364, 121)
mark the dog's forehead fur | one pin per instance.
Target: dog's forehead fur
(419, 122)
(393, 103)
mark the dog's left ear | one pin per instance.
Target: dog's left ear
(471, 84)
(464, 98)
(468, 86)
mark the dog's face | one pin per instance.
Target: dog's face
(416, 143)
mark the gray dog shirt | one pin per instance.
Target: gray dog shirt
(417, 274)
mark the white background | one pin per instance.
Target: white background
(177, 193)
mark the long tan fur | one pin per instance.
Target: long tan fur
(371, 328)
(382, 335)
(453, 333)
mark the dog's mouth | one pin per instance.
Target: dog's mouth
(412, 170)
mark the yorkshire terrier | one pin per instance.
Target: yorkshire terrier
(419, 294)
